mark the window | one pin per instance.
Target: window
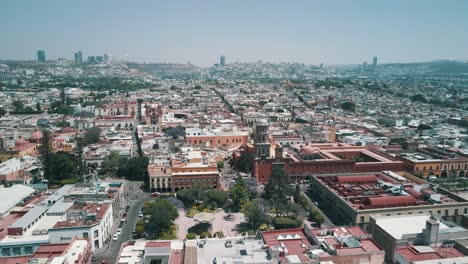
(456, 211)
(446, 212)
(85, 234)
(28, 250)
(362, 219)
(6, 252)
(465, 211)
(96, 233)
(16, 251)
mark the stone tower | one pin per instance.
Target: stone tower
(262, 143)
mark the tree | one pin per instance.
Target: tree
(238, 194)
(111, 163)
(162, 213)
(418, 98)
(61, 165)
(245, 162)
(216, 196)
(62, 95)
(256, 213)
(45, 150)
(92, 135)
(316, 216)
(276, 189)
(38, 107)
(139, 230)
(176, 132)
(134, 169)
(62, 123)
(297, 194)
(220, 164)
(18, 105)
(79, 155)
(348, 106)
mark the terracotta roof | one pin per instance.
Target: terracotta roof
(391, 200)
(369, 178)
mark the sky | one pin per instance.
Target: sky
(200, 31)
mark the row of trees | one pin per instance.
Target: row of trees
(134, 169)
(211, 198)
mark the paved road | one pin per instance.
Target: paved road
(138, 199)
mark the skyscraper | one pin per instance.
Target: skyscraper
(222, 61)
(78, 57)
(374, 61)
(106, 58)
(41, 56)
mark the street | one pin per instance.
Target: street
(111, 250)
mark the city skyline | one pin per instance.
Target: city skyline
(335, 32)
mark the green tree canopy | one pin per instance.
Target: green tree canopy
(256, 213)
(134, 169)
(348, 106)
(111, 163)
(245, 162)
(162, 214)
(276, 189)
(238, 194)
(92, 135)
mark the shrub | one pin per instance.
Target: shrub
(219, 234)
(191, 236)
(205, 235)
(286, 222)
(199, 228)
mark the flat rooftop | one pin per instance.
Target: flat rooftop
(242, 250)
(422, 253)
(397, 226)
(432, 155)
(383, 190)
(93, 214)
(340, 151)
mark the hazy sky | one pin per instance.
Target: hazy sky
(332, 32)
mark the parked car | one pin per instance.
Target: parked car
(119, 231)
(115, 237)
(155, 194)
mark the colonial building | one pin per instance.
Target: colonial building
(302, 161)
(195, 170)
(435, 161)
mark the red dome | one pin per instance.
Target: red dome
(36, 135)
(20, 141)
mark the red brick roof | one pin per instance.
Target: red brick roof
(391, 200)
(368, 178)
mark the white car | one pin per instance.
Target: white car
(115, 237)
(140, 215)
(119, 231)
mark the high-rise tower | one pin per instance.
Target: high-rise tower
(41, 56)
(222, 61)
(79, 57)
